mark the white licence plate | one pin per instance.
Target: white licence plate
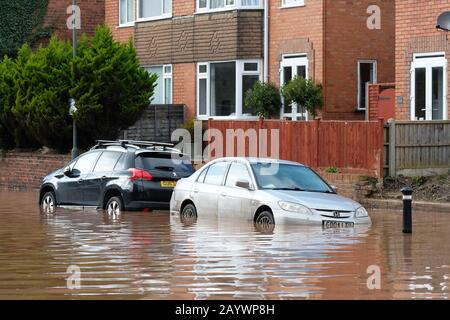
(327, 224)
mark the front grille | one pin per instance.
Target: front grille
(335, 214)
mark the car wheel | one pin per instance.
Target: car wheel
(265, 218)
(48, 204)
(189, 211)
(114, 207)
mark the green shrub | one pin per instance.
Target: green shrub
(332, 170)
(305, 93)
(110, 88)
(264, 99)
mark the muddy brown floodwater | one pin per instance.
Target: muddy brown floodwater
(157, 256)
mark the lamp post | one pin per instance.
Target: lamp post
(73, 107)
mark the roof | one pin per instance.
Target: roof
(254, 160)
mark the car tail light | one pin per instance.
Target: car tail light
(139, 174)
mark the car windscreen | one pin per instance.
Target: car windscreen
(276, 176)
(164, 162)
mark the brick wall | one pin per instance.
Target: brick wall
(92, 14)
(349, 185)
(183, 7)
(184, 87)
(415, 33)
(25, 170)
(112, 20)
(348, 40)
(296, 30)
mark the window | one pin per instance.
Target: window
(367, 73)
(85, 163)
(154, 9)
(291, 66)
(163, 89)
(120, 165)
(126, 12)
(218, 5)
(292, 3)
(107, 161)
(164, 162)
(221, 87)
(429, 87)
(201, 177)
(216, 172)
(237, 171)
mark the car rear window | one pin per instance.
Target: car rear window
(164, 162)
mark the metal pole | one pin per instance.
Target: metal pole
(407, 209)
(74, 37)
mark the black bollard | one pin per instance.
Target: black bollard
(407, 209)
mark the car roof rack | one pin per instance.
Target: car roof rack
(133, 143)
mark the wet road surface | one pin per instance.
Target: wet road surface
(157, 256)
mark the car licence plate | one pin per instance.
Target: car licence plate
(168, 184)
(327, 224)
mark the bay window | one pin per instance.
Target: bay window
(163, 90)
(221, 87)
(154, 9)
(126, 12)
(218, 5)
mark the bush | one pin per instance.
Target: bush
(110, 88)
(264, 99)
(305, 93)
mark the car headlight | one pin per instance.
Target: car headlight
(361, 212)
(294, 207)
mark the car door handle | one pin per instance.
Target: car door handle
(103, 178)
(195, 190)
(80, 180)
(223, 194)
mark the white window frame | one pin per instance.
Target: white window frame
(429, 61)
(160, 17)
(293, 61)
(167, 75)
(238, 4)
(128, 23)
(293, 4)
(375, 80)
(240, 72)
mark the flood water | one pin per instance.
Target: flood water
(157, 256)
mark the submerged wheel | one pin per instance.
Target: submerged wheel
(265, 218)
(48, 204)
(114, 207)
(189, 211)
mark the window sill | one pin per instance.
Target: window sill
(203, 118)
(125, 25)
(294, 5)
(163, 17)
(203, 11)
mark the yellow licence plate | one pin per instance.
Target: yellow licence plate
(168, 184)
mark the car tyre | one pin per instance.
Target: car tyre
(265, 218)
(48, 202)
(189, 211)
(114, 206)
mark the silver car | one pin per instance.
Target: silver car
(265, 191)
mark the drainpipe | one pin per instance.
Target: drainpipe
(266, 40)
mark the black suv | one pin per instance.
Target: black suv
(116, 176)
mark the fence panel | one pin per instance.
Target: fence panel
(355, 146)
(421, 147)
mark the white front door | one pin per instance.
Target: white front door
(429, 87)
(291, 67)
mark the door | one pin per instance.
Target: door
(205, 193)
(291, 67)
(95, 181)
(235, 201)
(71, 187)
(429, 87)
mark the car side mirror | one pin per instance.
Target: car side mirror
(335, 189)
(244, 184)
(67, 172)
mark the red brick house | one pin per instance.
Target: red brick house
(421, 58)
(209, 52)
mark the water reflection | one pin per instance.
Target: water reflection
(157, 256)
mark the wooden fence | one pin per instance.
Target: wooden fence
(417, 148)
(354, 147)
